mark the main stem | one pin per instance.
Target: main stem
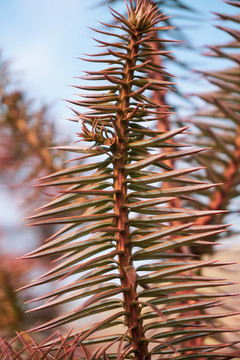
(120, 188)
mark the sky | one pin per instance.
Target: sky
(44, 38)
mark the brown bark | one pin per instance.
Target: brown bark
(120, 188)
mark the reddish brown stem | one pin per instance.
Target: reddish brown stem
(120, 188)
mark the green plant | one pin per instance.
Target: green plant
(126, 264)
(180, 10)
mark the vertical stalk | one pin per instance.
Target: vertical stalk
(120, 189)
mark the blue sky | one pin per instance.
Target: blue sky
(42, 39)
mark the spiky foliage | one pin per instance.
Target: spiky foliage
(219, 123)
(26, 134)
(124, 263)
(24, 347)
(179, 9)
